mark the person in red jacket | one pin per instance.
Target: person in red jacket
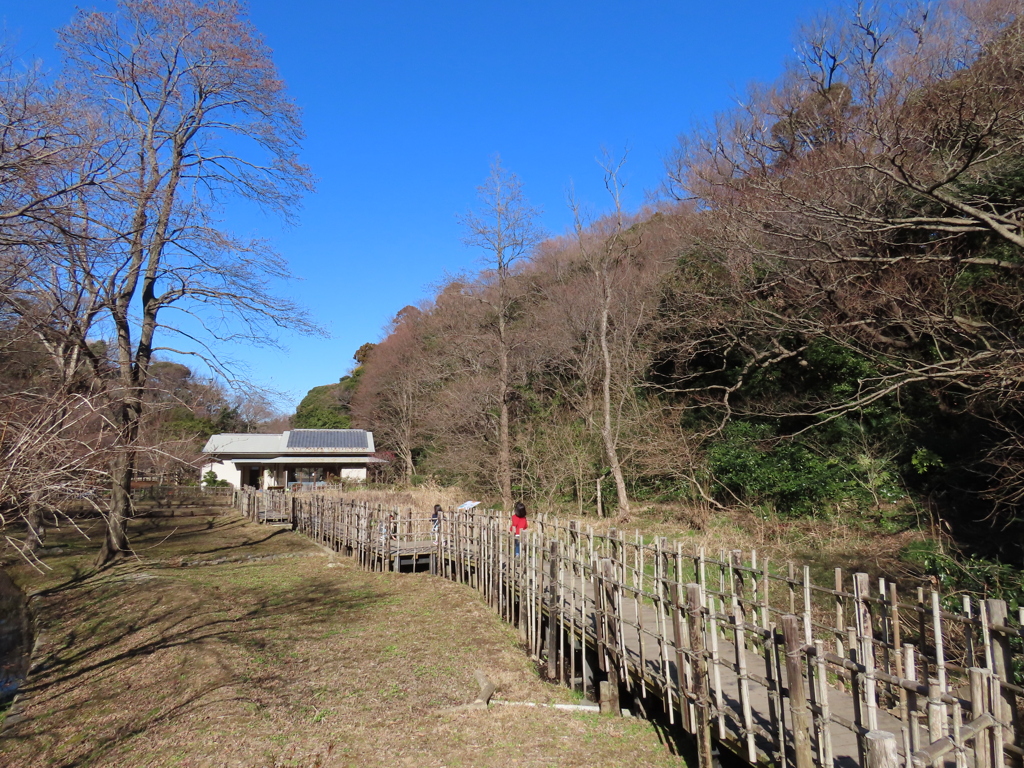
(519, 523)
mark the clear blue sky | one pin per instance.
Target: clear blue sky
(405, 103)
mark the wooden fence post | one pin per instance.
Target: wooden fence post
(743, 681)
(497, 581)
(607, 701)
(552, 636)
(1004, 707)
(702, 732)
(792, 632)
(596, 588)
(611, 646)
(881, 750)
(865, 645)
(979, 692)
(683, 684)
(936, 720)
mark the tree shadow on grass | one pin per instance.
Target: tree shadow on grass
(160, 528)
(126, 616)
(302, 607)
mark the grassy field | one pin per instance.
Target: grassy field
(230, 644)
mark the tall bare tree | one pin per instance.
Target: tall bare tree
(505, 226)
(193, 111)
(604, 253)
(395, 387)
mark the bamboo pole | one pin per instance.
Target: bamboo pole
(552, 634)
(940, 655)
(613, 629)
(913, 705)
(936, 724)
(739, 643)
(825, 720)
(684, 683)
(1004, 705)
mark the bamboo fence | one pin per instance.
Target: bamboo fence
(735, 650)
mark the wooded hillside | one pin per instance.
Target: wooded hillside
(822, 315)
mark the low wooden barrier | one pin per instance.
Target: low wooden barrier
(182, 494)
(736, 650)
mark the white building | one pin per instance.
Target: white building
(300, 456)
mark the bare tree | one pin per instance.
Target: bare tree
(871, 198)
(878, 172)
(505, 227)
(395, 388)
(193, 111)
(48, 152)
(604, 255)
(54, 453)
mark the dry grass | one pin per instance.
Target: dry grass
(823, 544)
(420, 497)
(274, 653)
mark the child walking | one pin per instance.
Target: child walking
(518, 524)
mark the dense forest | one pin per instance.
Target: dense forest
(821, 316)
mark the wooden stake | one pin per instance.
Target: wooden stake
(881, 750)
(684, 683)
(799, 711)
(935, 718)
(821, 683)
(702, 732)
(608, 578)
(739, 642)
(551, 641)
(1005, 705)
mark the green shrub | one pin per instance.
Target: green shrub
(759, 468)
(210, 480)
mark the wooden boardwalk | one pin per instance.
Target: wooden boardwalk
(728, 648)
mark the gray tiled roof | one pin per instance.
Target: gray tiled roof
(344, 439)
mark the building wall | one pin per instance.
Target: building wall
(273, 476)
(224, 470)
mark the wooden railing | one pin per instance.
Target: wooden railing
(733, 648)
(181, 493)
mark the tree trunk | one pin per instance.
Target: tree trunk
(504, 450)
(607, 429)
(407, 462)
(122, 470)
(408, 418)
(35, 532)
